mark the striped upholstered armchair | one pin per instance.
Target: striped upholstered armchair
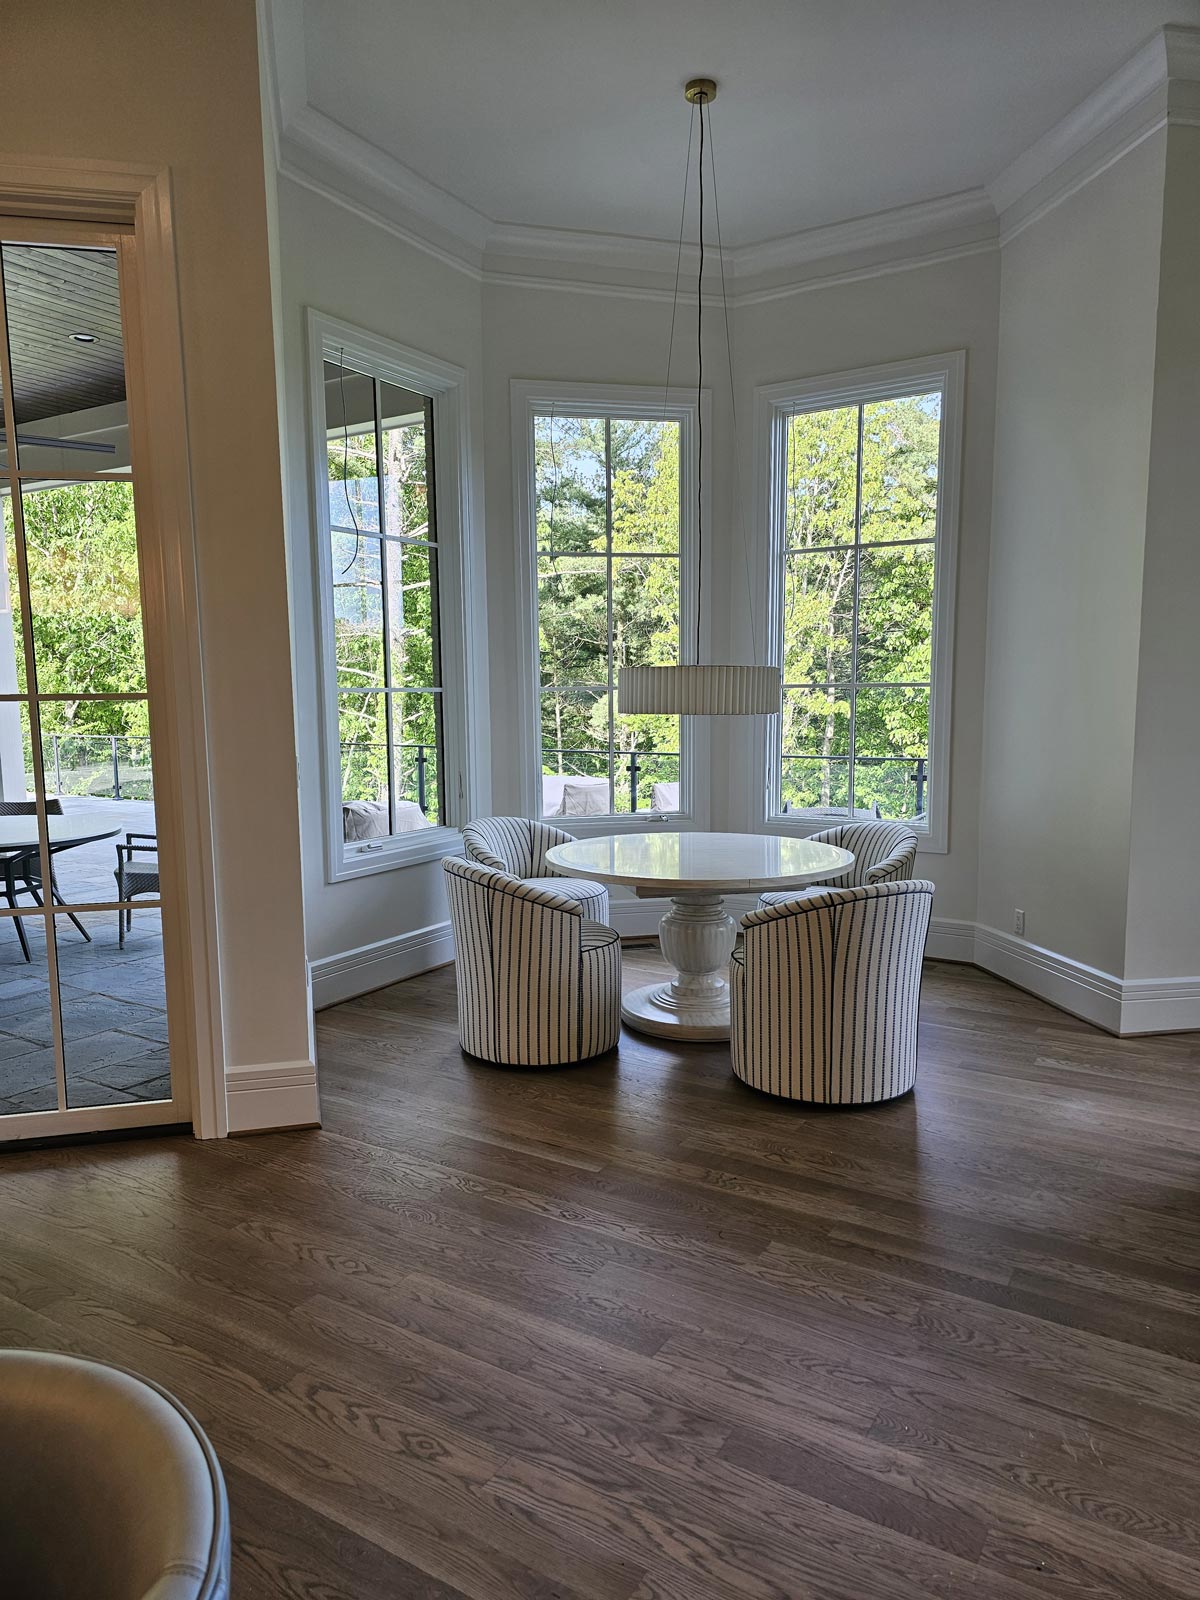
(884, 852)
(824, 993)
(539, 984)
(518, 846)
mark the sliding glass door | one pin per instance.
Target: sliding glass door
(84, 1037)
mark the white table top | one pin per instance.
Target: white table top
(668, 862)
(73, 827)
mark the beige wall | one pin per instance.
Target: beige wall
(1163, 933)
(165, 84)
(1078, 301)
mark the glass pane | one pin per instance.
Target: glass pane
(895, 614)
(114, 1004)
(569, 483)
(415, 719)
(12, 648)
(357, 611)
(645, 611)
(900, 468)
(85, 596)
(818, 616)
(363, 735)
(575, 753)
(573, 620)
(891, 735)
(651, 773)
(405, 464)
(68, 365)
(816, 722)
(350, 447)
(27, 1081)
(412, 613)
(810, 784)
(822, 476)
(645, 486)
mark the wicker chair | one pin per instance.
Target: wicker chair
(884, 852)
(539, 985)
(26, 865)
(134, 877)
(824, 994)
(517, 846)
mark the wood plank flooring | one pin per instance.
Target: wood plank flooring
(631, 1332)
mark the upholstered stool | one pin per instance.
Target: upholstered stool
(518, 847)
(539, 984)
(824, 994)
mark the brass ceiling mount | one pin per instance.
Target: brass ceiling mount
(700, 91)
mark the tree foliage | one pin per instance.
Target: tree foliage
(607, 597)
(858, 602)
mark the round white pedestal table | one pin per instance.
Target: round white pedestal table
(697, 871)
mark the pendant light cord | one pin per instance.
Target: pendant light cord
(699, 410)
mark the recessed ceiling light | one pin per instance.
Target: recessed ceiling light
(83, 338)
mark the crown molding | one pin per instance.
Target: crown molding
(1160, 83)
(1155, 86)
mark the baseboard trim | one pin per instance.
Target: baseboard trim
(271, 1095)
(1121, 1007)
(374, 966)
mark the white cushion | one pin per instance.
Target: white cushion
(664, 797)
(588, 798)
(364, 819)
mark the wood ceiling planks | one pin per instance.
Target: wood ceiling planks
(53, 292)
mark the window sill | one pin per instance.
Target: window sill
(386, 855)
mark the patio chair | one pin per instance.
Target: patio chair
(27, 866)
(134, 877)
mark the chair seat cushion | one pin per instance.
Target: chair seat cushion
(780, 897)
(595, 934)
(592, 897)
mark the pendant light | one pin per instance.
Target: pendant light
(701, 690)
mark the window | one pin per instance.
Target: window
(389, 635)
(610, 536)
(864, 484)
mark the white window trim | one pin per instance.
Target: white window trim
(462, 621)
(771, 405)
(528, 400)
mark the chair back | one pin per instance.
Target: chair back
(28, 808)
(517, 963)
(513, 844)
(884, 852)
(108, 1487)
(828, 1009)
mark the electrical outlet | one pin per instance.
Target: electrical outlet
(1019, 924)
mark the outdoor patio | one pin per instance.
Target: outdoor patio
(113, 1000)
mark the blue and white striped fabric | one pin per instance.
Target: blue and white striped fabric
(825, 990)
(539, 985)
(517, 846)
(884, 852)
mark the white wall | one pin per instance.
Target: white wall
(339, 262)
(172, 85)
(1163, 932)
(1078, 303)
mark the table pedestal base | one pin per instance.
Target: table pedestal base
(697, 937)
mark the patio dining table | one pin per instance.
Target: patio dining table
(66, 831)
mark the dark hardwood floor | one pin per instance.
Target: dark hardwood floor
(630, 1332)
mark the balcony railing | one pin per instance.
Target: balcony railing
(106, 766)
(919, 776)
(425, 758)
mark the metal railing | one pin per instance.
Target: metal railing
(919, 776)
(112, 766)
(426, 756)
(630, 760)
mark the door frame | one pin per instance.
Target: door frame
(45, 191)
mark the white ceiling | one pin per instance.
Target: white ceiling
(565, 114)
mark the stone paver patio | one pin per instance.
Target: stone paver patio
(113, 1000)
